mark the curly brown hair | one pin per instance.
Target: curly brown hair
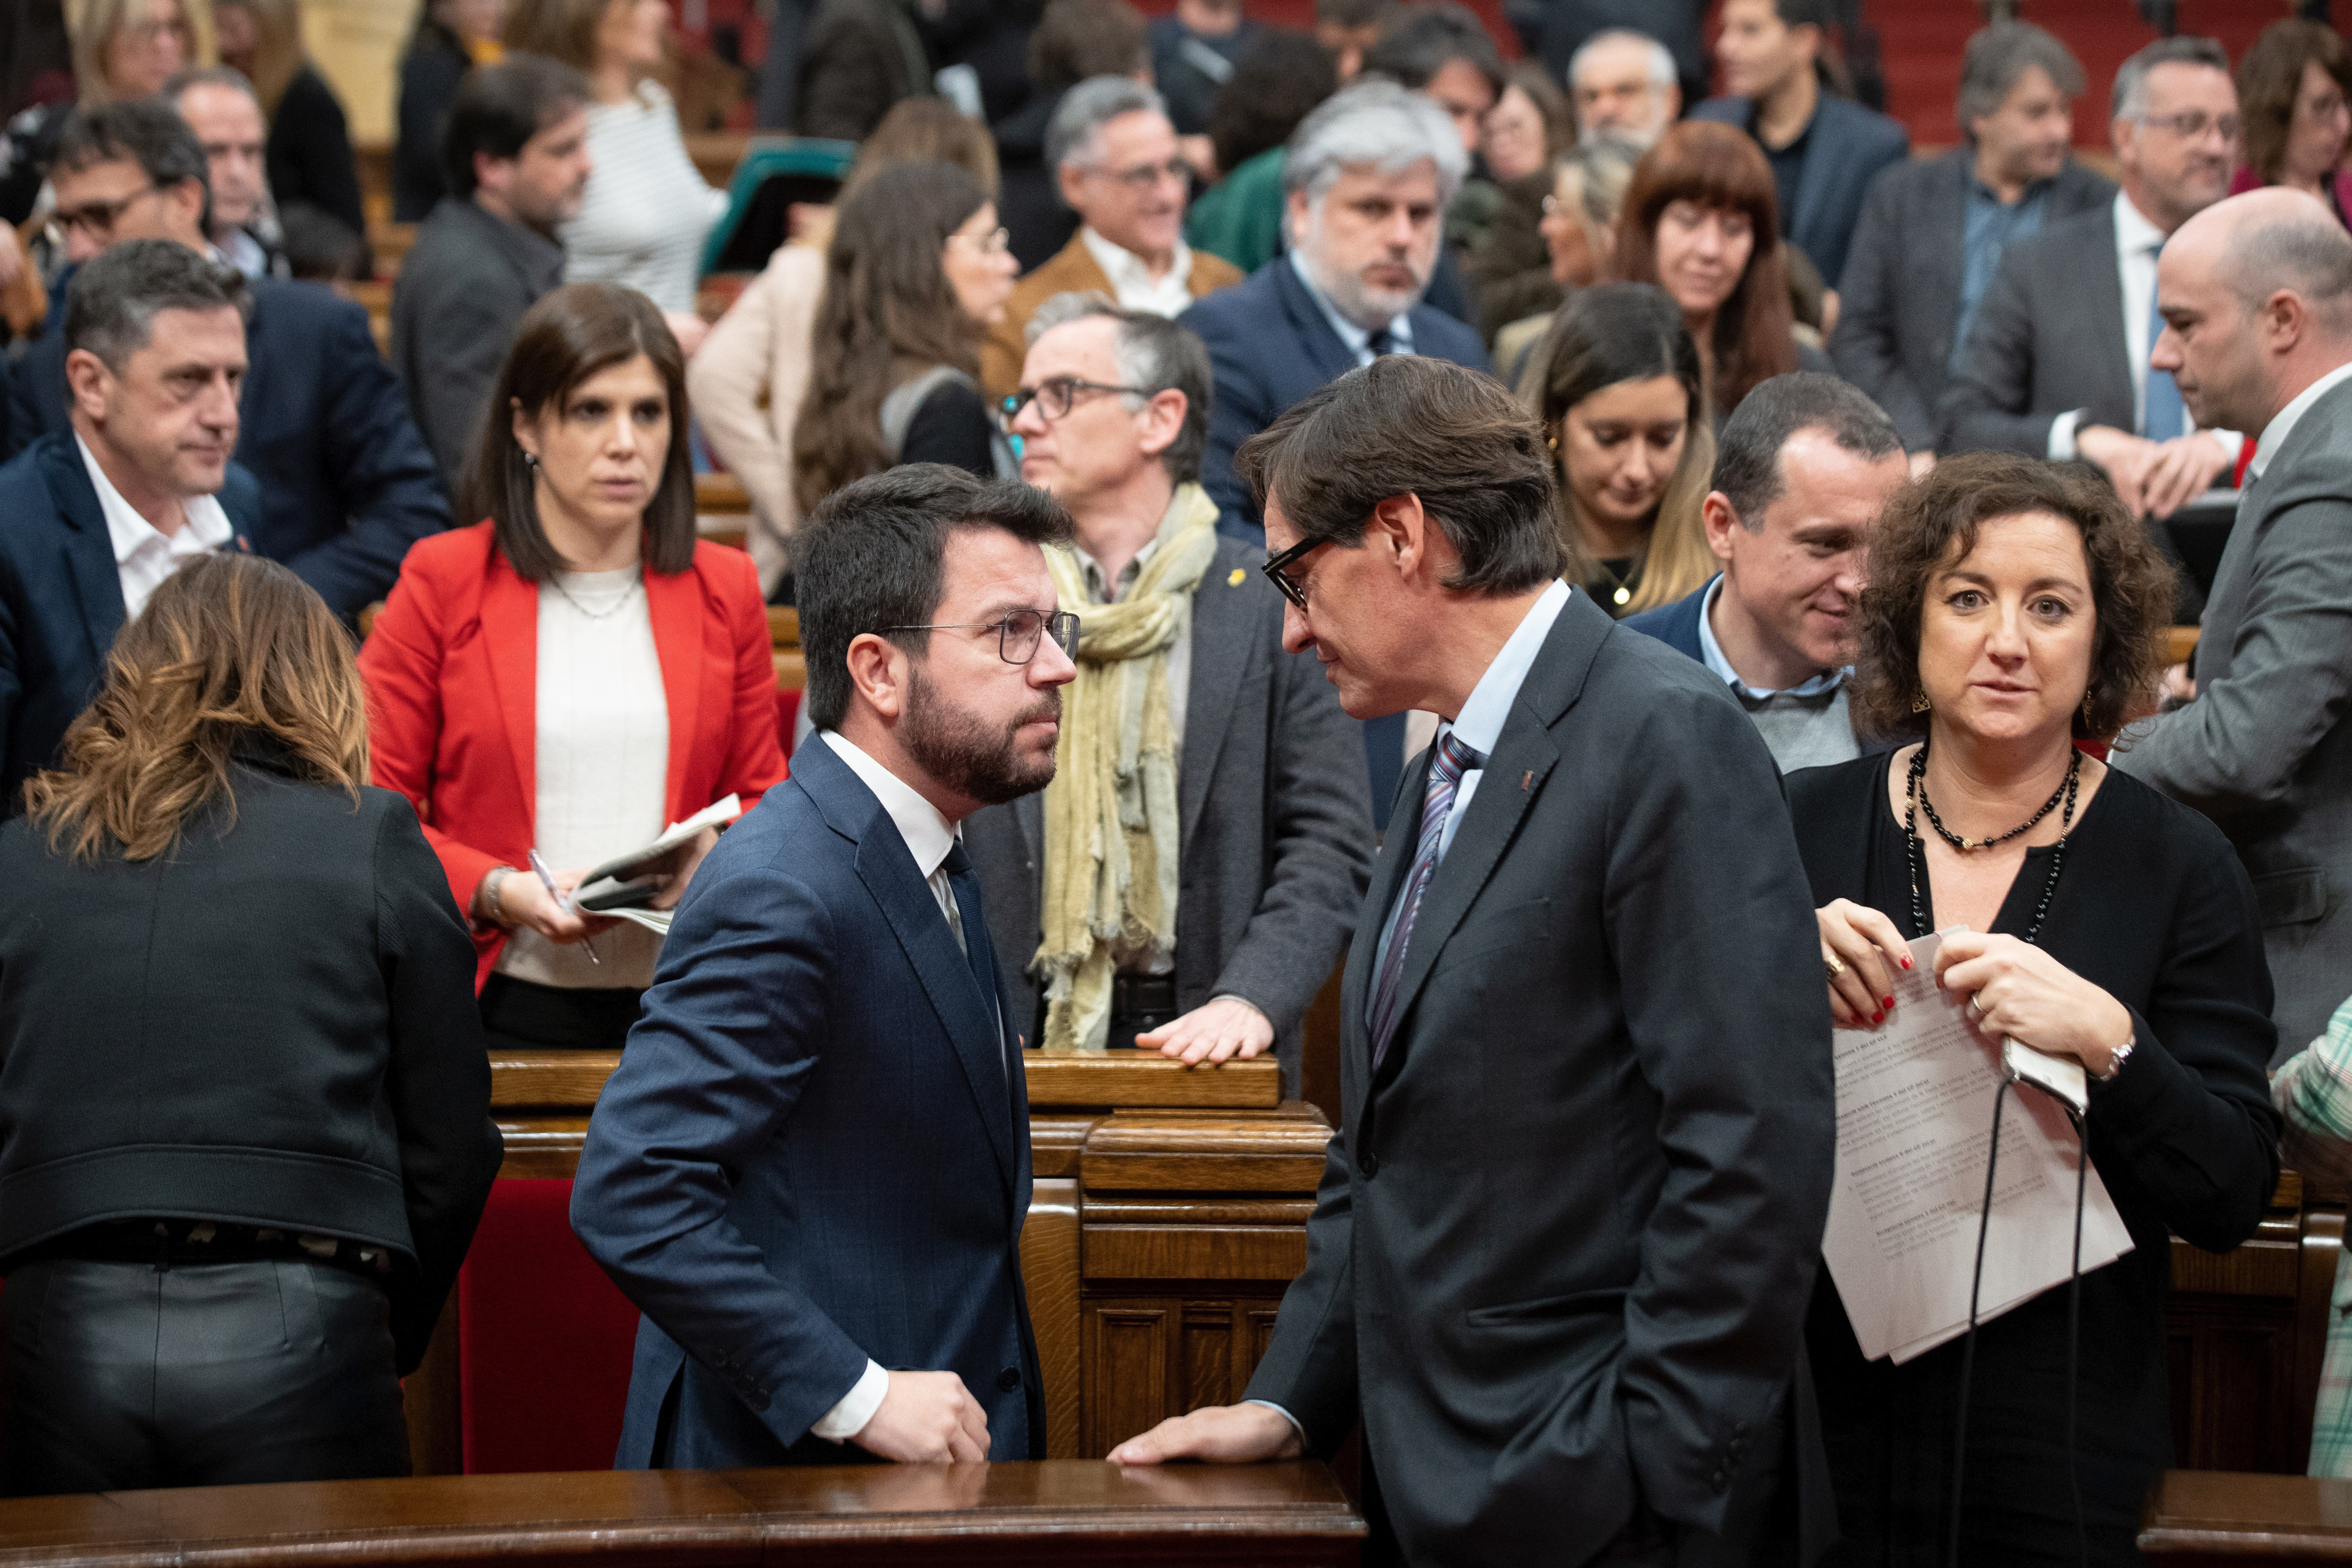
(1932, 524)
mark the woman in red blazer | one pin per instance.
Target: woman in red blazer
(575, 673)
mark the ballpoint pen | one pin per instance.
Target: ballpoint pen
(547, 880)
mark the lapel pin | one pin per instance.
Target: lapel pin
(1526, 778)
(1235, 579)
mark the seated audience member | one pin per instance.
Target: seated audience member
(1699, 223)
(1616, 383)
(309, 157)
(1823, 149)
(1194, 49)
(646, 211)
(1346, 28)
(2257, 298)
(516, 145)
(751, 375)
(347, 484)
(811, 1170)
(857, 59)
(917, 273)
(1579, 231)
(2056, 364)
(1933, 232)
(1804, 467)
(1250, 782)
(1671, 30)
(556, 684)
(451, 38)
(123, 50)
(1075, 41)
(2291, 87)
(1529, 125)
(1442, 50)
(218, 104)
(1527, 130)
(101, 511)
(2014, 609)
(1623, 86)
(1274, 86)
(244, 1235)
(1114, 152)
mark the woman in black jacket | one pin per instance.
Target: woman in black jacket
(244, 1099)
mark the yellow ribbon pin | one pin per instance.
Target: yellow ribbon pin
(1235, 579)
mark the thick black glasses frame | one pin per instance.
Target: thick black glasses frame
(1280, 579)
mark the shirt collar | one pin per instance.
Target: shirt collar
(1126, 269)
(2282, 423)
(2134, 231)
(1100, 588)
(1710, 651)
(926, 830)
(130, 532)
(1357, 340)
(1480, 722)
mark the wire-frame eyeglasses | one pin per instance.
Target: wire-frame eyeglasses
(1018, 635)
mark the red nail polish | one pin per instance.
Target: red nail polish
(1878, 1018)
(1907, 963)
(1888, 1002)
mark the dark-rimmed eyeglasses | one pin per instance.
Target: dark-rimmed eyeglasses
(99, 217)
(1277, 571)
(1057, 396)
(1018, 635)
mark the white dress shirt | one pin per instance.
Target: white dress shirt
(2284, 422)
(1131, 282)
(1357, 341)
(143, 555)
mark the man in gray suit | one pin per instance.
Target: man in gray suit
(1933, 231)
(1256, 809)
(2056, 364)
(2257, 296)
(1560, 1258)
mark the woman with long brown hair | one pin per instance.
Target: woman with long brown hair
(244, 1128)
(2292, 87)
(556, 685)
(917, 270)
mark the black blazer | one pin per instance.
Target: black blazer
(309, 153)
(1848, 145)
(273, 1024)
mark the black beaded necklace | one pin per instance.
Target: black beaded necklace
(1916, 848)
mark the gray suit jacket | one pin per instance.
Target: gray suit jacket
(1274, 828)
(1559, 1262)
(2266, 750)
(1901, 291)
(2048, 338)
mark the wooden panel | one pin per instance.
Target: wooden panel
(1157, 1152)
(431, 1397)
(1208, 1358)
(1125, 1371)
(1319, 1049)
(1194, 1253)
(1130, 1078)
(716, 153)
(543, 1145)
(2196, 1518)
(2180, 642)
(1055, 1142)
(2268, 1264)
(720, 493)
(1049, 1272)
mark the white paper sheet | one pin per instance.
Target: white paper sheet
(1914, 1102)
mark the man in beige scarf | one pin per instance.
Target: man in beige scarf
(1193, 872)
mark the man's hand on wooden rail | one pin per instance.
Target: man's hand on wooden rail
(927, 1417)
(1220, 1434)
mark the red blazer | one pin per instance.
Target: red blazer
(452, 673)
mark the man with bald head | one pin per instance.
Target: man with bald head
(2256, 297)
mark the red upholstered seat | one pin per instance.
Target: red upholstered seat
(545, 1339)
(788, 713)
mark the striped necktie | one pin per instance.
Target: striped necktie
(1453, 759)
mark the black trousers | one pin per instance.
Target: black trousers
(124, 1376)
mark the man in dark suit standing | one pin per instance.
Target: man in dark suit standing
(1559, 1262)
(812, 1167)
(92, 518)
(1254, 793)
(346, 482)
(1823, 149)
(1932, 233)
(2257, 299)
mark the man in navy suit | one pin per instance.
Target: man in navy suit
(812, 1167)
(347, 484)
(93, 516)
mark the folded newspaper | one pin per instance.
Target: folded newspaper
(622, 886)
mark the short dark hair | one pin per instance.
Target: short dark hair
(499, 108)
(1934, 521)
(1998, 55)
(1075, 39)
(873, 554)
(111, 304)
(148, 132)
(1277, 81)
(1410, 424)
(1747, 453)
(1155, 354)
(1352, 13)
(1418, 41)
(570, 335)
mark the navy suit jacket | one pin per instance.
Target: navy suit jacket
(1850, 145)
(61, 600)
(816, 1150)
(1675, 624)
(347, 484)
(1270, 345)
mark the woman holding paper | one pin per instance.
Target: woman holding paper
(2014, 609)
(575, 672)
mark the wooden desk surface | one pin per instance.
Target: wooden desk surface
(1066, 1510)
(2196, 1518)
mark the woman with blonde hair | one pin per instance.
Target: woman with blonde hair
(309, 152)
(122, 50)
(244, 1129)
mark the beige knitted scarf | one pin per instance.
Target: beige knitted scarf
(1110, 812)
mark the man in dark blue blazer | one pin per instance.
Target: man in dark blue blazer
(1824, 150)
(812, 1167)
(158, 350)
(347, 483)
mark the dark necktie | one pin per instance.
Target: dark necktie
(1445, 771)
(1381, 341)
(977, 951)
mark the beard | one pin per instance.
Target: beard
(978, 760)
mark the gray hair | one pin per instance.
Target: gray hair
(2128, 99)
(1375, 122)
(111, 306)
(1154, 353)
(1661, 58)
(1089, 106)
(2309, 254)
(209, 76)
(1998, 55)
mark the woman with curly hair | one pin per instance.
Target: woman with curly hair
(2014, 609)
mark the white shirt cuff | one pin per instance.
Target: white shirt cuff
(848, 1419)
(2232, 444)
(2061, 435)
(1286, 1416)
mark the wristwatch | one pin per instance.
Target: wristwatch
(493, 912)
(2117, 1058)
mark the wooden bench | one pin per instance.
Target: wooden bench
(2208, 1519)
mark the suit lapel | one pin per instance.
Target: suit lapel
(510, 628)
(2101, 300)
(1222, 650)
(1941, 265)
(674, 605)
(88, 547)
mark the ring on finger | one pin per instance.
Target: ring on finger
(1975, 1006)
(1834, 965)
